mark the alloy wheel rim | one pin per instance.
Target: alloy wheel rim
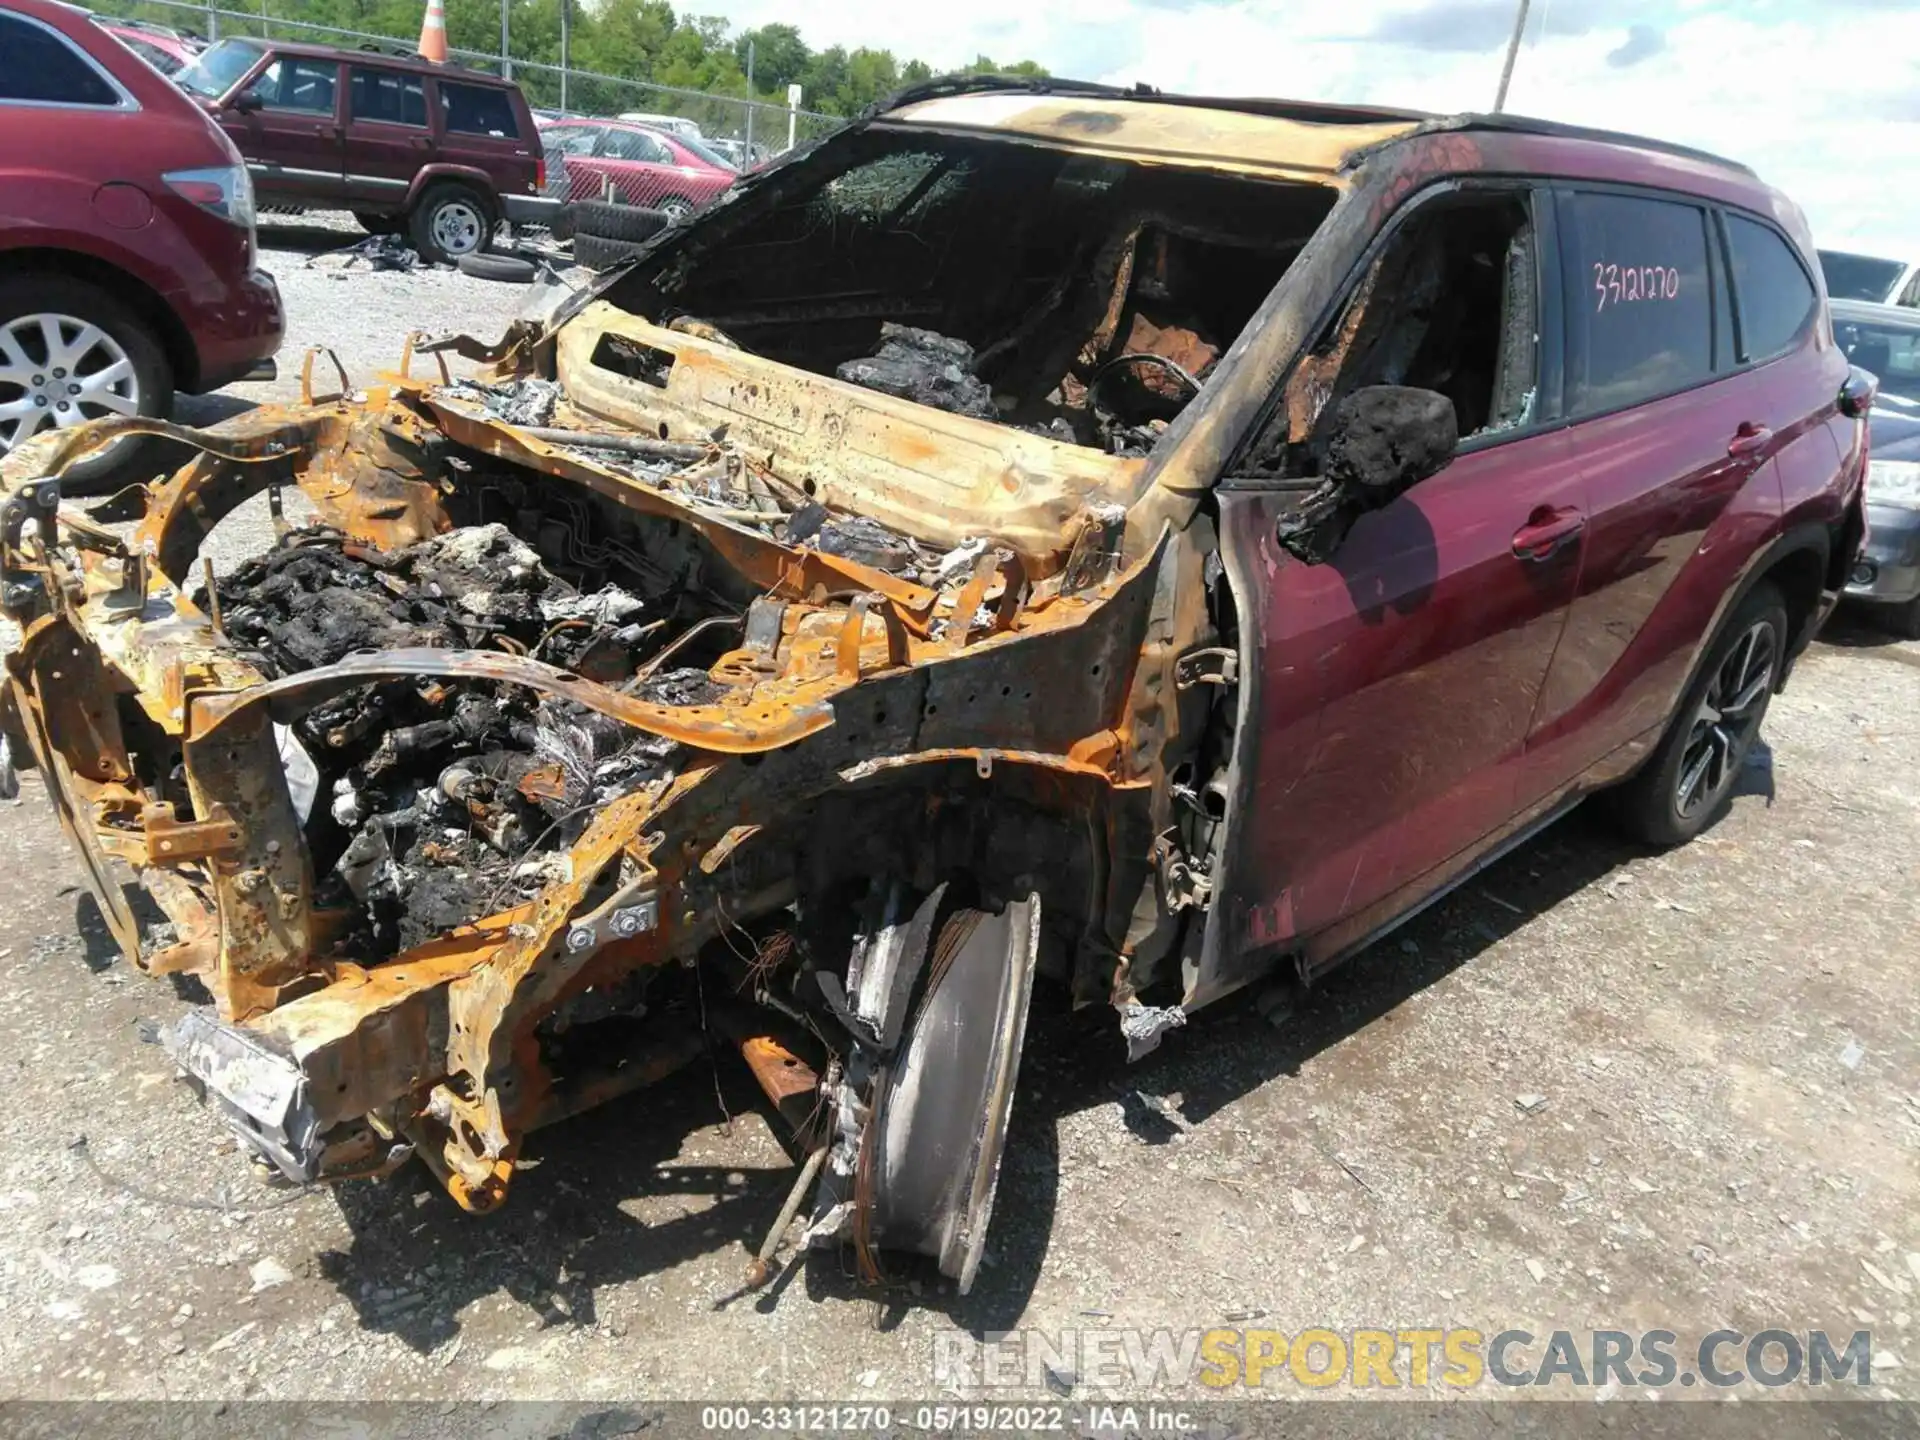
(457, 227)
(1727, 719)
(56, 371)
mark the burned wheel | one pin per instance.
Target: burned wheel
(1693, 773)
(938, 1008)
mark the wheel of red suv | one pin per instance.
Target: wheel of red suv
(69, 352)
(451, 221)
(1689, 778)
(379, 224)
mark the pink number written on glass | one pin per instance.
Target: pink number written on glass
(1621, 284)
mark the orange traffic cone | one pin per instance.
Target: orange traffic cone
(433, 33)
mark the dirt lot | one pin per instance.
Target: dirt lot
(1717, 1048)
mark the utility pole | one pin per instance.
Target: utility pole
(1513, 51)
(506, 58)
(750, 104)
(566, 7)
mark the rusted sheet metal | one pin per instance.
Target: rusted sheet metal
(748, 725)
(942, 477)
(1187, 135)
(263, 880)
(778, 568)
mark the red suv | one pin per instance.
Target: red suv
(440, 152)
(126, 237)
(675, 174)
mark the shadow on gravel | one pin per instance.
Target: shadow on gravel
(1855, 626)
(100, 951)
(283, 232)
(416, 1260)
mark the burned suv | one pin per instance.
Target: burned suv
(1041, 544)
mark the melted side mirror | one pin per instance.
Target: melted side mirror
(1373, 446)
(246, 102)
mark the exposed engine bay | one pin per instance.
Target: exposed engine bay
(780, 637)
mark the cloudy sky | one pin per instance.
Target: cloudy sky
(1822, 97)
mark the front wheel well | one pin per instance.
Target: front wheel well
(1800, 575)
(183, 358)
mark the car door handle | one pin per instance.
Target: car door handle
(420, 142)
(1749, 439)
(1548, 531)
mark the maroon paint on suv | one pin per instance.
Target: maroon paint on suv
(126, 236)
(440, 152)
(1607, 582)
(644, 166)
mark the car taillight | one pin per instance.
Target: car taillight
(540, 173)
(226, 190)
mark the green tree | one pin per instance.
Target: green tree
(780, 57)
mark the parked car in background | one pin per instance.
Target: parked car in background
(126, 239)
(437, 152)
(1885, 340)
(740, 155)
(1874, 278)
(167, 50)
(676, 124)
(641, 165)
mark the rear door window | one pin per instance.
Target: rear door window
(569, 139)
(1775, 298)
(39, 67)
(635, 145)
(390, 96)
(478, 110)
(1640, 296)
(291, 83)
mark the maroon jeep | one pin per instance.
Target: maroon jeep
(437, 152)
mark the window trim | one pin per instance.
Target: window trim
(1745, 360)
(1549, 357)
(124, 103)
(1708, 212)
(426, 124)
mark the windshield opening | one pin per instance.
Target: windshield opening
(1889, 351)
(1858, 277)
(1084, 298)
(219, 68)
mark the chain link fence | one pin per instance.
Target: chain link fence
(747, 128)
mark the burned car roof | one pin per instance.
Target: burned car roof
(1146, 129)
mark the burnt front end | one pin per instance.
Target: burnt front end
(536, 737)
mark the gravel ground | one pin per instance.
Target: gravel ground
(1717, 1051)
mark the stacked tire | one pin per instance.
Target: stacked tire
(604, 235)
